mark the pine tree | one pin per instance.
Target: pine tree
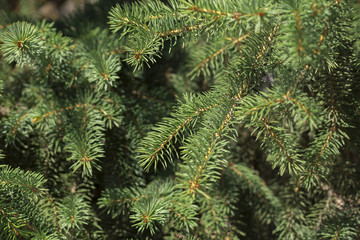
(182, 119)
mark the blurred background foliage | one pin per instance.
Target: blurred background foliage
(51, 9)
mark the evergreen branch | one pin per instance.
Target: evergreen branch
(262, 111)
(320, 211)
(194, 184)
(276, 138)
(317, 10)
(14, 229)
(56, 218)
(121, 19)
(78, 105)
(138, 128)
(74, 212)
(21, 41)
(217, 135)
(131, 22)
(184, 213)
(144, 96)
(292, 225)
(18, 122)
(286, 72)
(332, 130)
(226, 120)
(195, 168)
(17, 127)
(20, 203)
(150, 206)
(78, 72)
(99, 59)
(170, 137)
(141, 51)
(321, 39)
(172, 128)
(149, 214)
(299, 27)
(101, 68)
(26, 182)
(163, 16)
(154, 12)
(341, 223)
(215, 218)
(266, 202)
(266, 45)
(326, 28)
(177, 31)
(209, 11)
(219, 13)
(207, 141)
(40, 118)
(234, 42)
(179, 215)
(125, 200)
(300, 77)
(19, 219)
(116, 201)
(13, 226)
(297, 102)
(285, 98)
(116, 51)
(329, 144)
(314, 167)
(85, 133)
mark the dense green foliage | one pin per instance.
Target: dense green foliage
(182, 119)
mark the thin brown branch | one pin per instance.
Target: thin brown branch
(300, 48)
(210, 11)
(276, 138)
(234, 42)
(9, 222)
(178, 31)
(79, 105)
(17, 123)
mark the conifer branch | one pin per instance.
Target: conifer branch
(285, 98)
(79, 71)
(329, 140)
(276, 138)
(173, 128)
(321, 39)
(18, 122)
(146, 97)
(195, 178)
(51, 201)
(332, 130)
(221, 50)
(266, 45)
(14, 229)
(208, 11)
(177, 31)
(258, 188)
(299, 27)
(78, 105)
(213, 211)
(299, 78)
(285, 72)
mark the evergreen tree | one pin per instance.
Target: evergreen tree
(182, 119)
